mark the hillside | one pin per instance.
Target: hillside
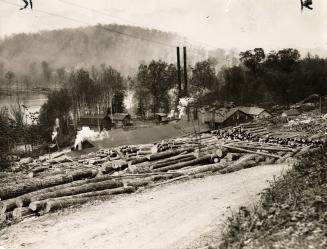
(85, 47)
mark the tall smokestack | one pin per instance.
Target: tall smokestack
(185, 71)
(179, 73)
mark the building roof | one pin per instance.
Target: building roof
(230, 113)
(94, 116)
(161, 114)
(292, 112)
(255, 111)
(116, 116)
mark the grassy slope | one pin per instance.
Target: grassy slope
(292, 212)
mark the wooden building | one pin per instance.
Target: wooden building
(235, 117)
(256, 112)
(118, 120)
(292, 113)
(223, 117)
(161, 117)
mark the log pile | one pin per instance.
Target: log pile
(63, 181)
(258, 133)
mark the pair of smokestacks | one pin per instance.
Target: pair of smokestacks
(182, 93)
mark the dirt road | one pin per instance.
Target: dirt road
(170, 216)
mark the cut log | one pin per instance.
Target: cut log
(245, 161)
(120, 165)
(7, 205)
(221, 152)
(5, 217)
(139, 160)
(171, 162)
(19, 213)
(109, 184)
(148, 180)
(180, 156)
(204, 159)
(265, 148)
(25, 200)
(204, 168)
(53, 205)
(40, 205)
(167, 154)
(7, 192)
(250, 151)
(47, 174)
(37, 170)
(107, 168)
(37, 205)
(138, 182)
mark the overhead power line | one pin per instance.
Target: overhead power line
(89, 24)
(123, 19)
(192, 50)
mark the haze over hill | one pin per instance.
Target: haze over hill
(120, 46)
(92, 46)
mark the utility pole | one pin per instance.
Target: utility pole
(185, 72)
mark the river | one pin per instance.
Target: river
(33, 101)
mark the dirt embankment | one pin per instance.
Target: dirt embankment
(170, 216)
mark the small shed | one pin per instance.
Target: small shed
(161, 117)
(121, 119)
(290, 113)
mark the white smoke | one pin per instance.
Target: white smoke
(183, 103)
(171, 114)
(54, 135)
(87, 133)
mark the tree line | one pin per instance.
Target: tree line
(257, 78)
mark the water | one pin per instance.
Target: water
(33, 101)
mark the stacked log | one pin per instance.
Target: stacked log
(7, 192)
(148, 180)
(19, 213)
(204, 168)
(39, 205)
(204, 159)
(168, 154)
(244, 162)
(172, 161)
(24, 200)
(234, 148)
(109, 184)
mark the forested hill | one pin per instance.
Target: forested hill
(85, 47)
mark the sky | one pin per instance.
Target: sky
(241, 24)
